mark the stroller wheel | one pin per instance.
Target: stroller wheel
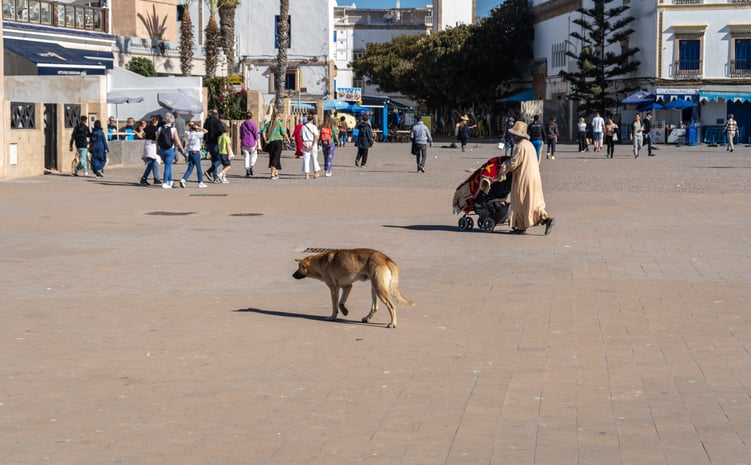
(466, 223)
(488, 224)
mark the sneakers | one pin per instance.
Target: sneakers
(328, 174)
(224, 179)
(201, 185)
(166, 186)
(208, 175)
(182, 183)
(157, 182)
(552, 157)
(74, 173)
(276, 176)
(250, 170)
(144, 182)
(247, 172)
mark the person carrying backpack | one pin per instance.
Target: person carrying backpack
(535, 135)
(166, 140)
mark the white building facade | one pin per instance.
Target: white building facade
(696, 50)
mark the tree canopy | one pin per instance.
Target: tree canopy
(459, 65)
(604, 58)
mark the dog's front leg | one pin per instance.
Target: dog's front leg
(334, 302)
(345, 294)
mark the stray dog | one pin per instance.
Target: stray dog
(339, 268)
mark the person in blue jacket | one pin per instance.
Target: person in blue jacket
(99, 149)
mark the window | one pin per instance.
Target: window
(357, 54)
(558, 54)
(290, 81)
(740, 50)
(688, 51)
(743, 54)
(276, 31)
(688, 55)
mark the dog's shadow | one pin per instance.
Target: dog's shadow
(306, 316)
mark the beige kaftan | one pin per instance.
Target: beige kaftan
(527, 201)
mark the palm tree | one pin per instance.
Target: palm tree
(227, 26)
(282, 40)
(213, 40)
(186, 40)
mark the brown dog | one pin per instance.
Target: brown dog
(339, 268)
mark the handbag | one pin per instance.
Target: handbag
(414, 150)
(615, 137)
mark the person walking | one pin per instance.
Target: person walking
(364, 141)
(535, 135)
(249, 143)
(310, 135)
(527, 199)
(149, 155)
(80, 137)
(193, 140)
(274, 135)
(166, 140)
(462, 133)
(225, 157)
(647, 133)
(598, 128)
(328, 144)
(581, 135)
(551, 134)
(342, 131)
(731, 130)
(611, 136)
(297, 135)
(508, 140)
(636, 135)
(421, 137)
(180, 127)
(99, 149)
(214, 128)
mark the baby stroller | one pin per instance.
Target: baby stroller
(481, 194)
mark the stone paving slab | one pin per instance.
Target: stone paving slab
(622, 338)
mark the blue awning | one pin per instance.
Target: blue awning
(52, 59)
(523, 96)
(728, 96)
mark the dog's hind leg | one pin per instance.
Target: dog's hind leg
(345, 294)
(373, 305)
(386, 299)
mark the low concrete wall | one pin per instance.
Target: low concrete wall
(125, 152)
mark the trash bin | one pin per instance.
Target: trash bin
(692, 135)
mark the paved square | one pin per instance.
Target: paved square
(151, 326)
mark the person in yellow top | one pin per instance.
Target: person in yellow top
(225, 154)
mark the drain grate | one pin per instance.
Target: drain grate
(315, 250)
(170, 213)
(208, 195)
(245, 214)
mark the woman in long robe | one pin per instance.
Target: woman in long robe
(527, 200)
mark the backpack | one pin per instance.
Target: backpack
(164, 139)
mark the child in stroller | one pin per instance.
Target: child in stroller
(484, 196)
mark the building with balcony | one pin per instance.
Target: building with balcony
(698, 50)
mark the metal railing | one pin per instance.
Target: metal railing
(688, 68)
(740, 67)
(55, 14)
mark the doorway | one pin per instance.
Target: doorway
(50, 137)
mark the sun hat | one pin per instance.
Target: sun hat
(465, 118)
(519, 130)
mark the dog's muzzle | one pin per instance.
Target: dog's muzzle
(298, 275)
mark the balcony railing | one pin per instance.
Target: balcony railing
(688, 68)
(740, 68)
(50, 13)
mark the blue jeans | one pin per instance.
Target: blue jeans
(538, 147)
(194, 161)
(151, 165)
(342, 138)
(168, 157)
(83, 162)
(213, 150)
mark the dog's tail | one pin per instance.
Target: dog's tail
(395, 285)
